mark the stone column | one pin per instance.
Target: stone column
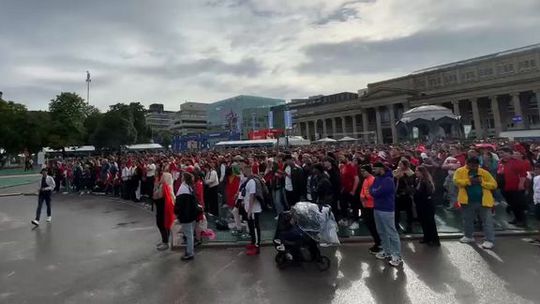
(365, 125)
(455, 103)
(393, 123)
(325, 130)
(537, 95)
(496, 115)
(476, 117)
(334, 127)
(343, 126)
(379, 125)
(354, 129)
(516, 102)
(308, 136)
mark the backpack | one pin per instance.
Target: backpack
(262, 194)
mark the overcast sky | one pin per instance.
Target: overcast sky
(171, 51)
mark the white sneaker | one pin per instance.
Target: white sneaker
(354, 226)
(466, 240)
(49, 219)
(382, 255)
(395, 261)
(487, 245)
(35, 223)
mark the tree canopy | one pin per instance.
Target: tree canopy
(70, 121)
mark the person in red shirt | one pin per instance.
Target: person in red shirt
(349, 185)
(513, 173)
(232, 184)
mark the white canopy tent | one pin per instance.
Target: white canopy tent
(71, 149)
(326, 140)
(144, 147)
(347, 138)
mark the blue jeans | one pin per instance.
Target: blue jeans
(387, 232)
(44, 196)
(277, 196)
(469, 215)
(188, 229)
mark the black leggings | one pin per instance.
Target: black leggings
(426, 215)
(404, 203)
(255, 229)
(369, 219)
(160, 220)
(517, 202)
(211, 200)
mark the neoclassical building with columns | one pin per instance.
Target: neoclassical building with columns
(498, 94)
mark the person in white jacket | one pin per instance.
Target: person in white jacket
(536, 190)
(46, 186)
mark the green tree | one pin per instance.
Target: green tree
(35, 131)
(68, 113)
(12, 122)
(91, 124)
(164, 138)
(138, 115)
(115, 128)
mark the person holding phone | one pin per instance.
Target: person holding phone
(475, 194)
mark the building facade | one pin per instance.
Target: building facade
(497, 94)
(191, 120)
(227, 115)
(254, 119)
(158, 119)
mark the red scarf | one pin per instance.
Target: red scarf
(169, 206)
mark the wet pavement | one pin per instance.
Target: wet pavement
(99, 250)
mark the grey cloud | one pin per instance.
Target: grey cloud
(344, 13)
(417, 51)
(247, 67)
(248, 4)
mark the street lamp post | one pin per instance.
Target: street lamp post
(88, 80)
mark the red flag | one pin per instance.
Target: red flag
(169, 206)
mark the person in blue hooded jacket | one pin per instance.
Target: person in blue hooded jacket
(384, 192)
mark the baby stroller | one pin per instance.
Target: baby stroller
(299, 232)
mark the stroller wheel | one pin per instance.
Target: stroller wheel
(323, 263)
(281, 260)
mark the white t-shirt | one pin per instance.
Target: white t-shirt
(184, 189)
(536, 190)
(251, 189)
(150, 170)
(212, 178)
(127, 172)
(288, 180)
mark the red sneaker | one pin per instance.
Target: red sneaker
(253, 251)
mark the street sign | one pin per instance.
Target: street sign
(467, 129)
(415, 132)
(270, 120)
(288, 119)
(517, 119)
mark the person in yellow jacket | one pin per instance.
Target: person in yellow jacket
(475, 194)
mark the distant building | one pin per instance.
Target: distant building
(228, 114)
(254, 119)
(278, 116)
(191, 120)
(497, 95)
(158, 119)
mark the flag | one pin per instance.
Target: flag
(169, 206)
(88, 76)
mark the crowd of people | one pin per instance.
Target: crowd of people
(379, 186)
